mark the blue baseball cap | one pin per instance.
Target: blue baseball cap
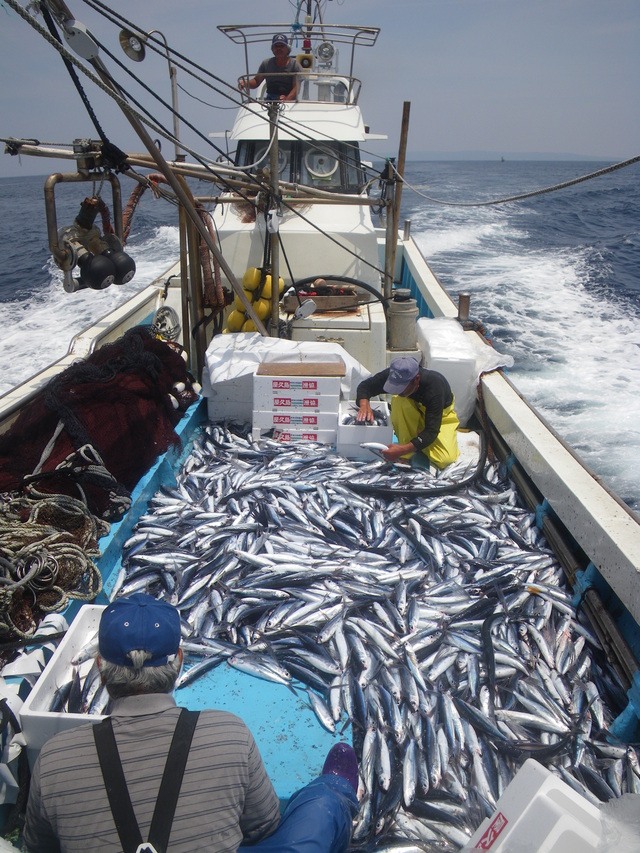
(401, 372)
(139, 622)
(280, 38)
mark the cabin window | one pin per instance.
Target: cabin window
(332, 166)
(256, 155)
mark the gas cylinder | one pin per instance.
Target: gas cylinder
(401, 320)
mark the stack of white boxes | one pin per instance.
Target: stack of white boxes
(298, 401)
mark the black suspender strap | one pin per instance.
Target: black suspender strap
(116, 786)
(118, 793)
(162, 819)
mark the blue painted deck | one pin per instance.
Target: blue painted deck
(291, 741)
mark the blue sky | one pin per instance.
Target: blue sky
(541, 76)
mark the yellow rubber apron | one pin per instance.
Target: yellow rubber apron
(407, 419)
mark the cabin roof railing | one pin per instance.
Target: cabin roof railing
(261, 34)
(248, 34)
(321, 87)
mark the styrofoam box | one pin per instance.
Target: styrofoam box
(539, 812)
(350, 436)
(229, 401)
(295, 420)
(39, 724)
(301, 393)
(448, 351)
(322, 436)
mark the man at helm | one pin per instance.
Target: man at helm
(279, 70)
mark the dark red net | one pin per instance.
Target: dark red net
(117, 414)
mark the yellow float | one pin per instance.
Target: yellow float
(235, 321)
(259, 297)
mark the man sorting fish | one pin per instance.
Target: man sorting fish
(422, 413)
(154, 777)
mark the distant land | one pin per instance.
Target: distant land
(506, 155)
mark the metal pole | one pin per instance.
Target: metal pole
(173, 77)
(464, 303)
(391, 237)
(184, 284)
(402, 153)
(275, 245)
(195, 295)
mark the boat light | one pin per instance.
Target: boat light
(325, 51)
(132, 44)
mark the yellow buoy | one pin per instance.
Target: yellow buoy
(239, 304)
(266, 290)
(249, 326)
(262, 308)
(235, 321)
(251, 279)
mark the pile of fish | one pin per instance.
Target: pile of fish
(437, 627)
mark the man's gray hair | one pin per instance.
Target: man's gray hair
(122, 681)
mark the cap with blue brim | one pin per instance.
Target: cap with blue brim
(139, 622)
(401, 371)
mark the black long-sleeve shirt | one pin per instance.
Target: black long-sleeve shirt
(433, 392)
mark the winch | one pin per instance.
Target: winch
(98, 256)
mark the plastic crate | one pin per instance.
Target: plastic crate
(351, 436)
(539, 812)
(38, 723)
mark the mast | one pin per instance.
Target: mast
(272, 223)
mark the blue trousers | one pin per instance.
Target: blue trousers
(318, 819)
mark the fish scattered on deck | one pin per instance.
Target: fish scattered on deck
(437, 627)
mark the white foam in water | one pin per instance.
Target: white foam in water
(38, 332)
(452, 240)
(577, 354)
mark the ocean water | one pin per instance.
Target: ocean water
(555, 279)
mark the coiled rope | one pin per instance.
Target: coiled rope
(46, 551)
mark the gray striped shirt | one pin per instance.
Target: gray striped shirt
(226, 796)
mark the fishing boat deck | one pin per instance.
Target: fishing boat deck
(462, 567)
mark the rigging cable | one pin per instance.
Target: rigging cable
(114, 156)
(522, 196)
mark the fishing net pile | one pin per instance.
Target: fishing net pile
(437, 628)
(68, 464)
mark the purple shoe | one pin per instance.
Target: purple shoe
(341, 761)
